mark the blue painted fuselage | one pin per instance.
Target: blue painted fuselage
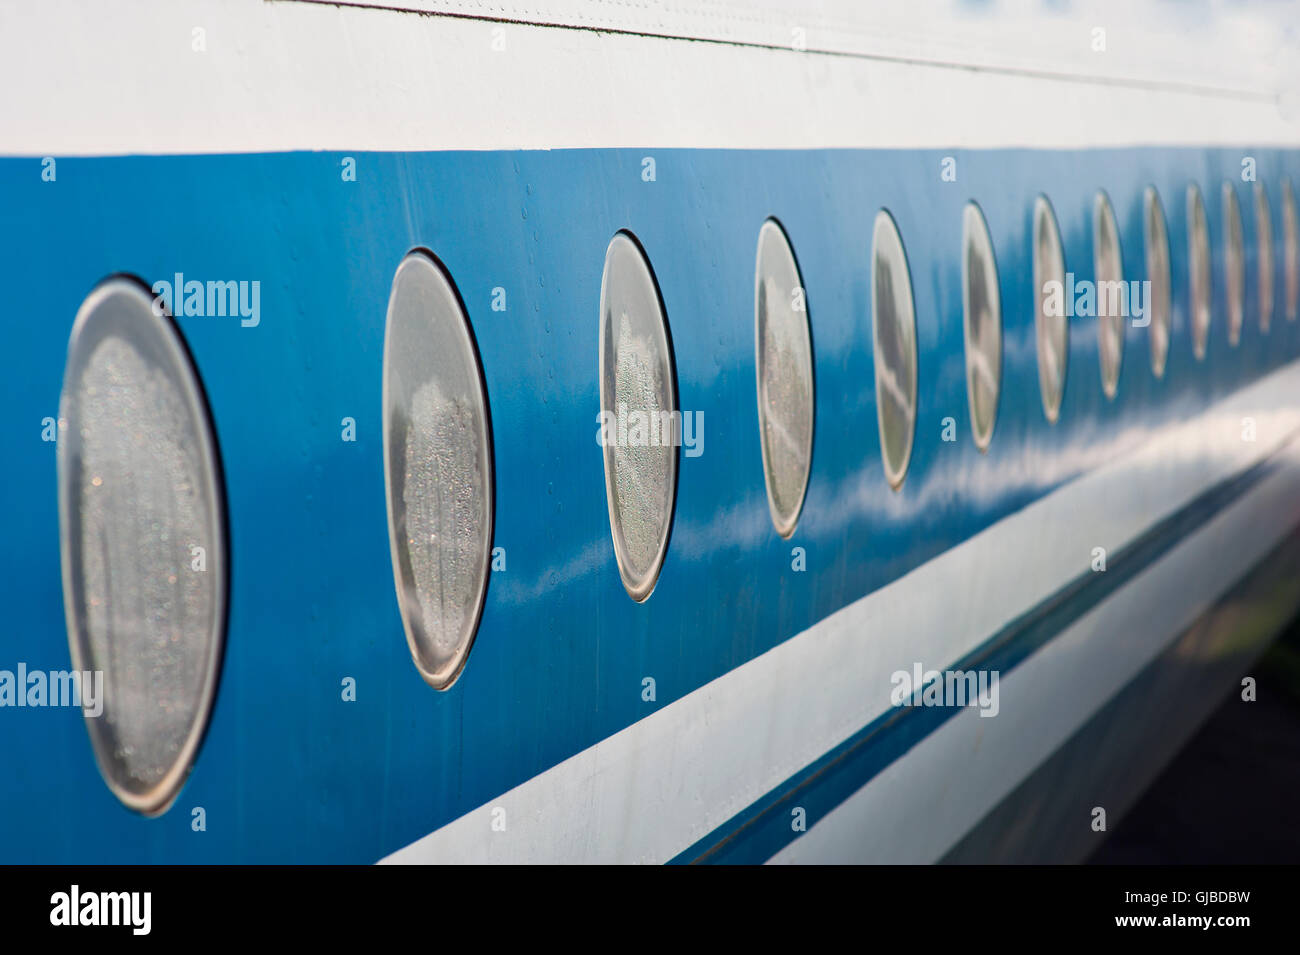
(289, 771)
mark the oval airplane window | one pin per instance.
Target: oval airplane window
(639, 415)
(1264, 246)
(784, 363)
(982, 311)
(893, 329)
(437, 466)
(142, 535)
(1198, 255)
(1291, 250)
(1050, 322)
(1234, 260)
(1108, 269)
(1157, 256)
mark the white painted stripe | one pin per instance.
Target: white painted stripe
(1233, 47)
(921, 805)
(124, 77)
(652, 790)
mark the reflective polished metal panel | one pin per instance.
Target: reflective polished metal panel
(1198, 266)
(1158, 274)
(1234, 262)
(1264, 249)
(142, 531)
(438, 468)
(784, 366)
(1291, 250)
(982, 314)
(1050, 322)
(638, 396)
(893, 329)
(1109, 270)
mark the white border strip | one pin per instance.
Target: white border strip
(652, 790)
(1230, 48)
(918, 807)
(119, 78)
